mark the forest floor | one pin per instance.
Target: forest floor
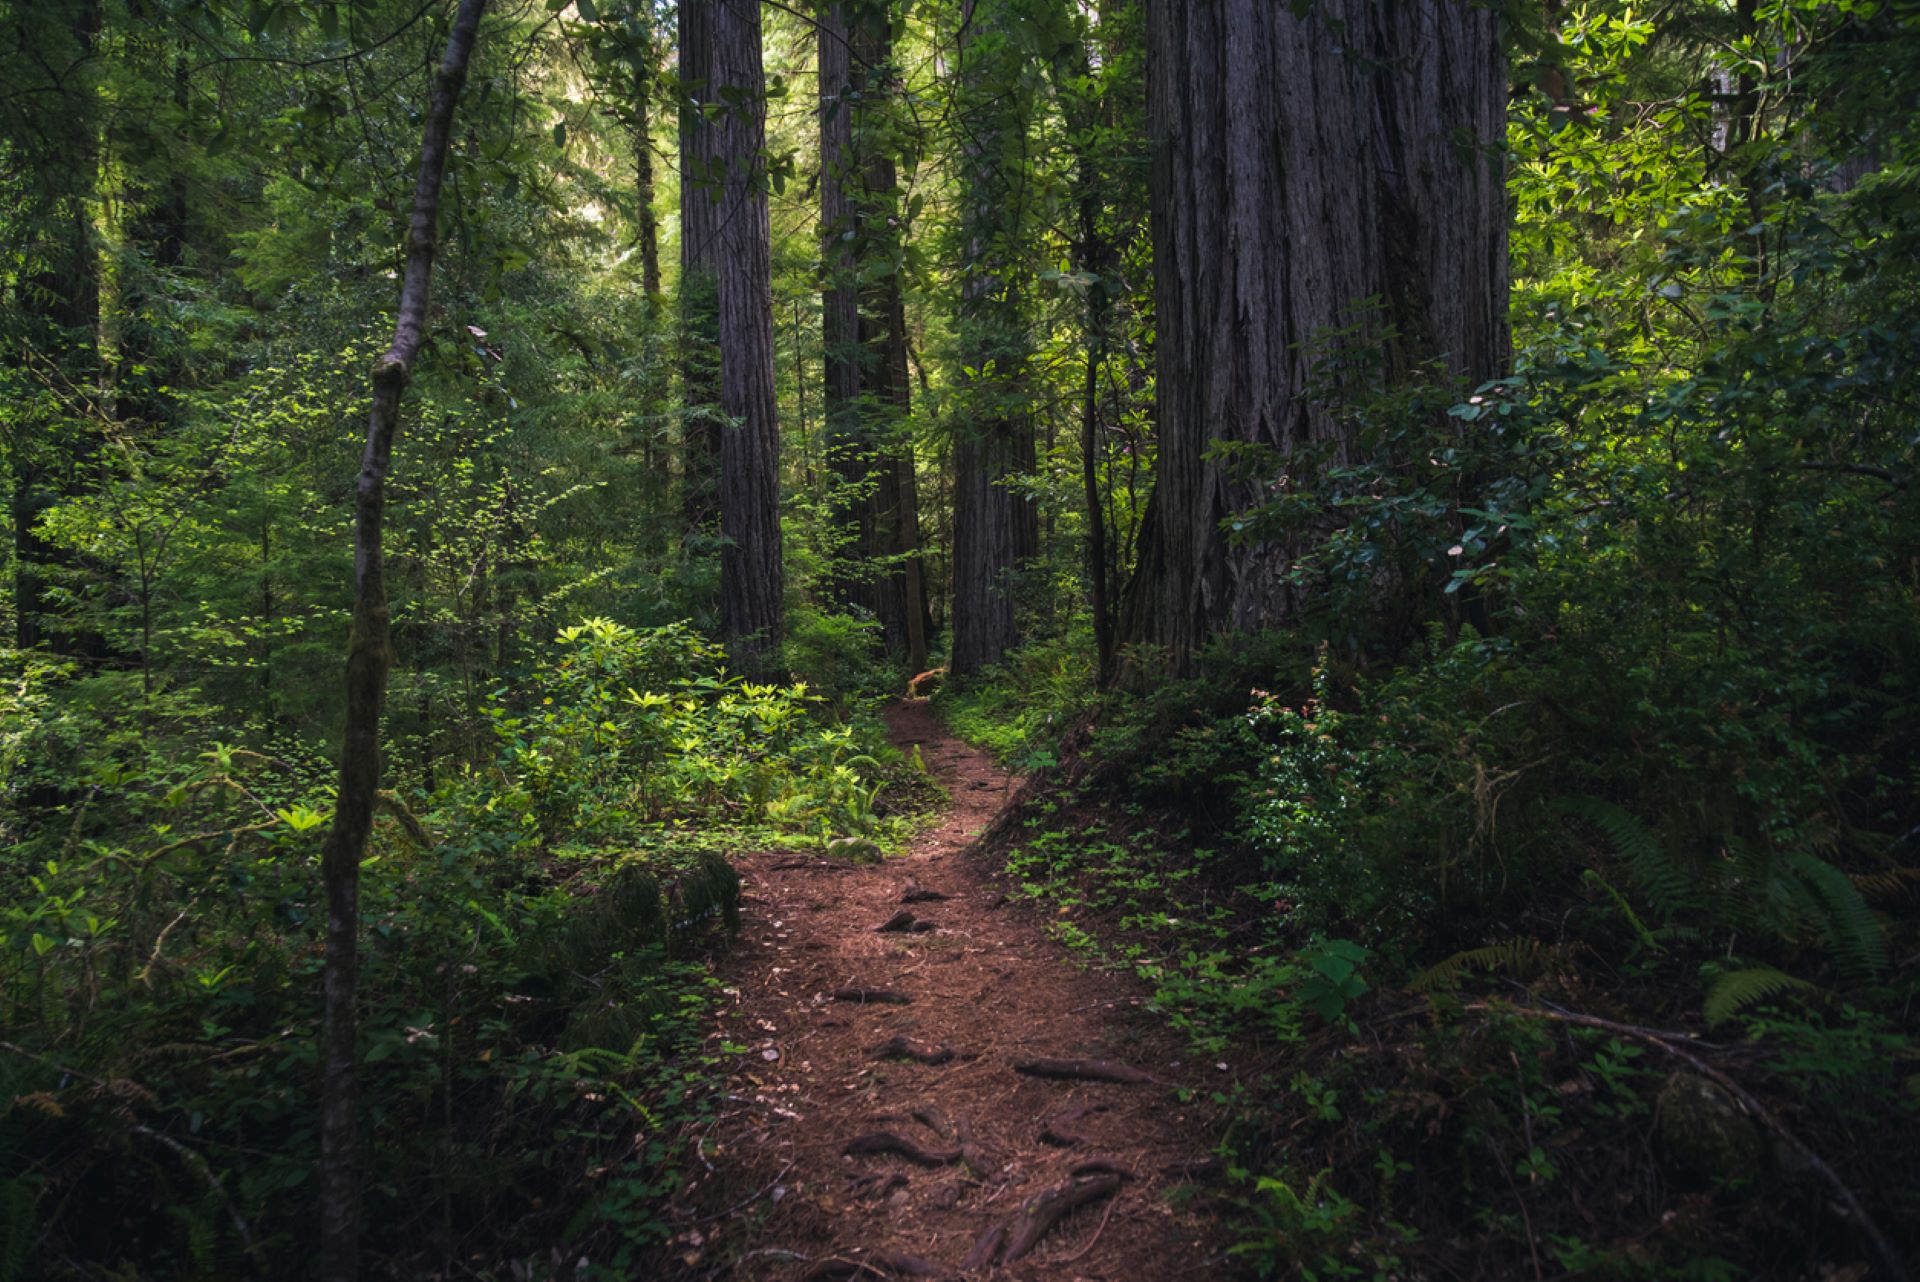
(976, 1144)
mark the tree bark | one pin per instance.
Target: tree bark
(1093, 257)
(1302, 166)
(864, 327)
(731, 136)
(994, 526)
(701, 192)
(644, 81)
(369, 658)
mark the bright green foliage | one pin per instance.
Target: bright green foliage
(523, 992)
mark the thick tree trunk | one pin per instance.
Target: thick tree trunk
(864, 328)
(994, 525)
(732, 141)
(1302, 166)
(369, 657)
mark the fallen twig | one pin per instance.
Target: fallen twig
(1895, 1269)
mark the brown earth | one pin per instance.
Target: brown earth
(775, 1194)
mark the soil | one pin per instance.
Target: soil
(947, 1148)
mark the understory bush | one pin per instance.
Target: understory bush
(532, 995)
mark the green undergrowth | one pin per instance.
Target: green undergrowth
(1411, 925)
(533, 978)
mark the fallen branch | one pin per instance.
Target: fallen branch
(1895, 1269)
(1084, 1070)
(871, 1264)
(878, 1143)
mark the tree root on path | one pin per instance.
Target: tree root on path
(899, 1047)
(1084, 1070)
(876, 1185)
(1016, 1239)
(904, 922)
(882, 1142)
(883, 996)
(1059, 1129)
(917, 894)
(1103, 1166)
(933, 1119)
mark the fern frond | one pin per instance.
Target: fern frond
(1737, 990)
(1889, 883)
(1522, 956)
(1665, 883)
(1852, 931)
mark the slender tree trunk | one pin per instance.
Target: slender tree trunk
(732, 141)
(994, 526)
(369, 658)
(849, 448)
(643, 87)
(1092, 256)
(1303, 165)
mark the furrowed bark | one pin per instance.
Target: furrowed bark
(732, 142)
(1318, 169)
(994, 526)
(369, 657)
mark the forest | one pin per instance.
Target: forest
(1026, 639)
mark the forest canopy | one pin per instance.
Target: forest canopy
(1423, 492)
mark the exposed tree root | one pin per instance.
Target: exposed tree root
(1103, 1166)
(917, 894)
(870, 996)
(1084, 1070)
(933, 1119)
(986, 1249)
(1043, 1211)
(1060, 1130)
(876, 1185)
(900, 921)
(882, 1142)
(976, 1157)
(902, 1048)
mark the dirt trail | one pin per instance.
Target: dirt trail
(784, 1200)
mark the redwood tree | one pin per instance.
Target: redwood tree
(863, 325)
(1315, 168)
(725, 235)
(994, 525)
